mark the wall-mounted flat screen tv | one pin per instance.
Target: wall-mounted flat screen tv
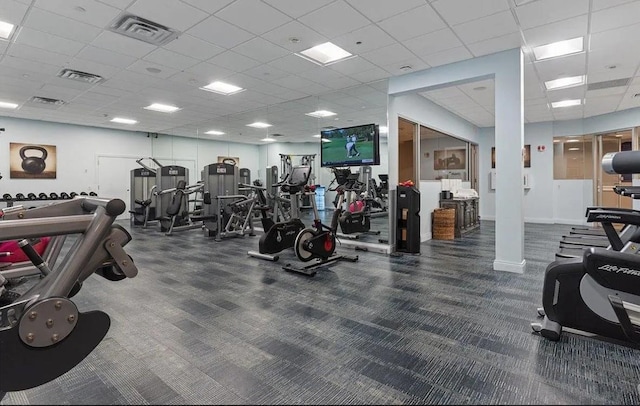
(350, 146)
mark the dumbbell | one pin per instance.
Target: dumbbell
(84, 194)
(93, 194)
(73, 194)
(53, 196)
(7, 197)
(32, 196)
(64, 195)
(42, 196)
(20, 196)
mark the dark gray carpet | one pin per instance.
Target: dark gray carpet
(204, 323)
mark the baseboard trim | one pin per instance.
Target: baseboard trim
(426, 237)
(506, 266)
(571, 222)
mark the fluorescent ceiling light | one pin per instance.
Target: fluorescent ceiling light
(163, 108)
(5, 30)
(316, 135)
(268, 139)
(321, 113)
(7, 105)
(573, 141)
(259, 124)
(325, 54)
(121, 120)
(574, 149)
(563, 83)
(214, 132)
(384, 129)
(560, 48)
(326, 140)
(222, 88)
(566, 103)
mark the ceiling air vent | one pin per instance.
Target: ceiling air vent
(80, 76)
(45, 103)
(141, 29)
(277, 135)
(608, 83)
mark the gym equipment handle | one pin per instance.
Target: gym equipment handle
(621, 163)
(114, 207)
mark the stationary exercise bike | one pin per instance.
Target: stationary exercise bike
(356, 219)
(319, 241)
(281, 235)
(599, 292)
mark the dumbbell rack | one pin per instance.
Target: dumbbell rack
(10, 202)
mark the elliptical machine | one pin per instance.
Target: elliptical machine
(597, 293)
(319, 241)
(281, 235)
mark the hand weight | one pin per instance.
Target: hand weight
(33, 164)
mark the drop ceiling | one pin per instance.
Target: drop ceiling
(252, 44)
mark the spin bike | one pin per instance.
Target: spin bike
(319, 241)
(281, 235)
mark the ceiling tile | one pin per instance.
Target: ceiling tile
(202, 74)
(497, 44)
(306, 37)
(602, 75)
(172, 59)
(260, 19)
(448, 56)
(396, 67)
(352, 65)
(62, 26)
(261, 50)
(220, 32)
(334, 20)
(612, 91)
(433, 42)
(121, 4)
(612, 40)
(388, 54)
(293, 64)
(543, 12)
(27, 65)
(412, 23)
(104, 56)
(173, 14)
(378, 10)
(210, 6)
(615, 17)
(370, 75)
(122, 45)
(50, 42)
(233, 61)
(297, 8)
(96, 14)
(558, 31)
(370, 37)
(572, 65)
(304, 85)
(266, 72)
(142, 65)
(38, 54)
(460, 11)
(495, 25)
(194, 47)
(602, 4)
(566, 94)
(603, 60)
(12, 11)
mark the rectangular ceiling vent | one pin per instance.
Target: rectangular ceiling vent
(277, 135)
(608, 83)
(142, 29)
(80, 76)
(45, 102)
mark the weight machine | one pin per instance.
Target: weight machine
(286, 167)
(142, 200)
(167, 178)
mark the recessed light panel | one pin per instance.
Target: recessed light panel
(268, 139)
(222, 88)
(214, 132)
(564, 83)
(121, 120)
(574, 149)
(6, 30)
(7, 105)
(259, 124)
(325, 54)
(321, 113)
(384, 129)
(163, 108)
(566, 103)
(560, 48)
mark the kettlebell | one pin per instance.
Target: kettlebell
(33, 164)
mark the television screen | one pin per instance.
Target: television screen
(351, 146)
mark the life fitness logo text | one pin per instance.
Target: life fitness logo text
(607, 216)
(616, 269)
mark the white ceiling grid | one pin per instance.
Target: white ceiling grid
(249, 43)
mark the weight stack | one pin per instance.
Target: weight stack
(408, 219)
(444, 224)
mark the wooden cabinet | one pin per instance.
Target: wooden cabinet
(467, 214)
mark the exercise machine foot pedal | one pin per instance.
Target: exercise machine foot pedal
(23, 367)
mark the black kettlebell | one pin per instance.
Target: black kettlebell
(33, 164)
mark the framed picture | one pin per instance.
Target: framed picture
(450, 159)
(229, 160)
(32, 161)
(526, 156)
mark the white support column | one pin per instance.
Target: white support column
(509, 141)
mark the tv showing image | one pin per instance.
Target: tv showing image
(351, 146)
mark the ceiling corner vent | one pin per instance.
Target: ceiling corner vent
(608, 83)
(80, 76)
(142, 29)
